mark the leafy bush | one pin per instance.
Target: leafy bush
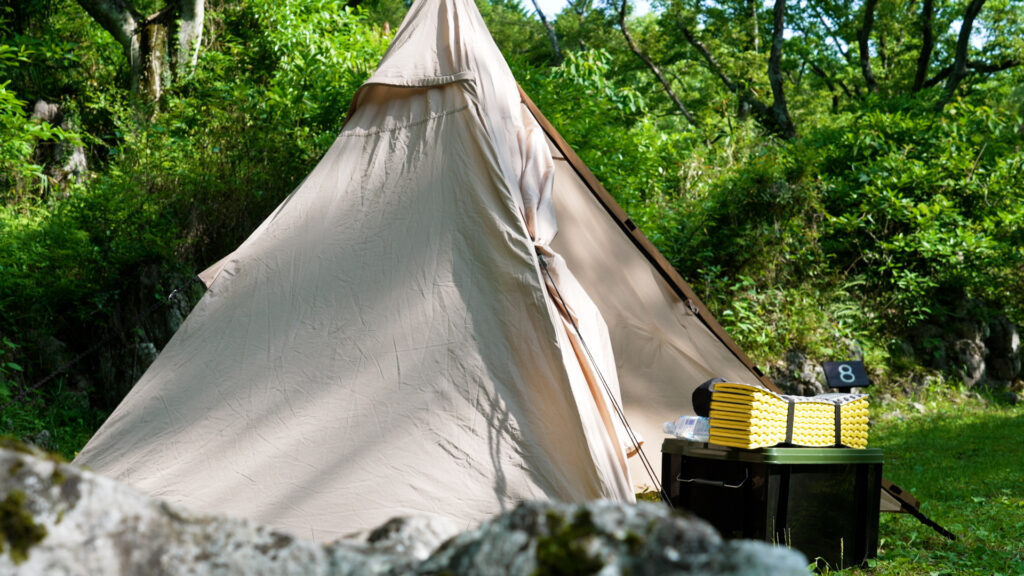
(319, 52)
(825, 320)
(921, 206)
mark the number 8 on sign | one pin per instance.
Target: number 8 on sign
(849, 374)
(846, 374)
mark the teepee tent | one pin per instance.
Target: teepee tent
(444, 318)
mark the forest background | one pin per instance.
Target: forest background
(835, 179)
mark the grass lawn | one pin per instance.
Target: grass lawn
(963, 457)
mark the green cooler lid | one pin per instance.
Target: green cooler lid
(775, 454)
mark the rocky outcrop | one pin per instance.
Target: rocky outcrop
(64, 161)
(1002, 363)
(56, 519)
(980, 350)
(798, 375)
(968, 346)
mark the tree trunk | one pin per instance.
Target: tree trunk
(146, 41)
(780, 111)
(962, 66)
(654, 67)
(863, 38)
(820, 72)
(753, 4)
(927, 44)
(776, 117)
(150, 82)
(191, 18)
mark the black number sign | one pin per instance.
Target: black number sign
(849, 374)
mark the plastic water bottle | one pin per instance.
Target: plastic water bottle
(694, 428)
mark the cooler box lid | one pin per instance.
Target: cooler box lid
(774, 454)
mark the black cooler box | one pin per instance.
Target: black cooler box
(821, 501)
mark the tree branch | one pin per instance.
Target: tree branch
(939, 76)
(963, 42)
(551, 33)
(989, 68)
(828, 82)
(776, 117)
(653, 67)
(116, 17)
(835, 39)
(975, 67)
(713, 64)
(831, 83)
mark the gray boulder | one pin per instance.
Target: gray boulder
(1003, 343)
(65, 162)
(57, 519)
(975, 348)
(797, 374)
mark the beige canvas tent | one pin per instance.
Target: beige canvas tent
(444, 318)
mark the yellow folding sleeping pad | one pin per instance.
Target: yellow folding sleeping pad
(749, 416)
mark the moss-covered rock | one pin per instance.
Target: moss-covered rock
(646, 539)
(565, 548)
(19, 531)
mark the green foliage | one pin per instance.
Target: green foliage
(578, 96)
(61, 418)
(320, 53)
(8, 367)
(918, 205)
(824, 321)
(753, 216)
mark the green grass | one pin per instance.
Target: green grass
(963, 457)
